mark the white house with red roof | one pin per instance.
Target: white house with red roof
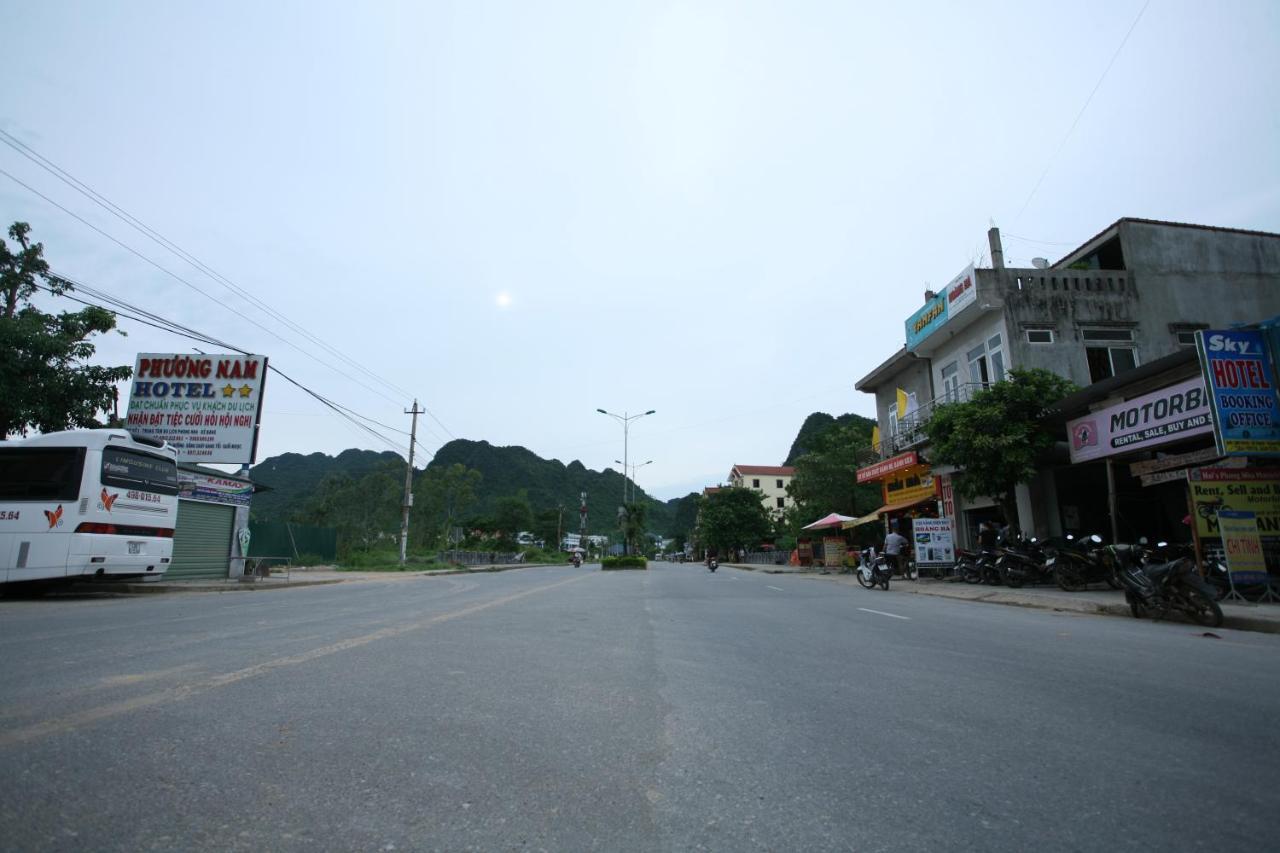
(770, 481)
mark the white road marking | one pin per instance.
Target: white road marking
(882, 613)
(732, 578)
(778, 588)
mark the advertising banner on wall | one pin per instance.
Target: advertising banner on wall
(1245, 559)
(881, 469)
(1172, 413)
(1255, 490)
(962, 291)
(934, 541)
(206, 406)
(1242, 389)
(198, 486)
(959, 294)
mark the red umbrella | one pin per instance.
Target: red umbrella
(835, 519)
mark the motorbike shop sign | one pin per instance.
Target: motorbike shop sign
(1169, 414)
(960, 293)
(206, 406)
(1237, 370)
(1215, 489)
(934, 541)
(1246, 561)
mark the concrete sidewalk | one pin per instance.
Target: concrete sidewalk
(1264, 618)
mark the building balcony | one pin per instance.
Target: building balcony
(911, 434)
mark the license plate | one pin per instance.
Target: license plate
(136, 547)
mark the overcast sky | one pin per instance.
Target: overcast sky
(521, 212)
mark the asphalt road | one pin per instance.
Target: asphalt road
(563, 709)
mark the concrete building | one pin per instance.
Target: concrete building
(770, 481)
(1132, 294)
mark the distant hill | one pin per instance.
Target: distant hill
(818, 423)
(548, 482)
(293, 478)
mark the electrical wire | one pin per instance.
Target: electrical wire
(172, 327)
(115, 210)
(1087, 101)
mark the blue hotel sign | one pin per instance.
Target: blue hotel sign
(927, 320)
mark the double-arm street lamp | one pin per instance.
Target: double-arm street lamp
(634, 469)
(625, 419)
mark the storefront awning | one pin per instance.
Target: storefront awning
(834, 519)
(874, 516)
(858, 522)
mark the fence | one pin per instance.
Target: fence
(766, 558)
(480, 558)
(282, 539)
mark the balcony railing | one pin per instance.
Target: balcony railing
(910, 432)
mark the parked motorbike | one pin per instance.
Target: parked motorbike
(873, 570)
(1155, 590)
(1081, 562)
(982, 568)
(1022, 562)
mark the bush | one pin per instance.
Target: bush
(624, 563)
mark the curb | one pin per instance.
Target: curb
(1238, 622)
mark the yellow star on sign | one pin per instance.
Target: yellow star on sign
(227, 390)
(245, 390)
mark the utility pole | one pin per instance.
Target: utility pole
(408, 483)
(582, 522)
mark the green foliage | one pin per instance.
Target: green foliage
(684, 517)
(293, 479)
(826, 478)
(733, 518)
(441, 497)
(511, 515)
(632, 562)
(387, 560)
(44, 383)
(997, 439)
(365, 512)
(632, 522)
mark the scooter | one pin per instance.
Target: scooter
(577, 560)
(874, 570)
(713, 563)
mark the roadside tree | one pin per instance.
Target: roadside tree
(732, 518)
(998, 438)
(45, 383)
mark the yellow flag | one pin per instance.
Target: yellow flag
(902, 404)
(875, 436)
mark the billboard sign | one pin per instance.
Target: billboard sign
(1241, 382)
(881, 469)
(927, 320)
(934, 541)
(206, 406)
(1169, 414)
(962, 291)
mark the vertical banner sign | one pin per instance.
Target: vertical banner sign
(1242, 392)
(206, 406)
(934, 542)
(1245, 559)
(833, 549)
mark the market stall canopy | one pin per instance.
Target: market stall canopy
(835, 519)
(861, 520)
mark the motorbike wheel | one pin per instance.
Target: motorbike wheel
(885, 583)
(909, 570)
(1113, 581)
(970, 574)
(1204, 610)
(867, 583)
(1069, 581)
(1014, 579)
(1136, 608)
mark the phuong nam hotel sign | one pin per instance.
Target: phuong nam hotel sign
(206, 406)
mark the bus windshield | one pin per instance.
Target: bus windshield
(129, 469)
(41, 473)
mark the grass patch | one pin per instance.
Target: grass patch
(390, 562)
(624, 563)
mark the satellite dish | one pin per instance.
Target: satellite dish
(1040, 263)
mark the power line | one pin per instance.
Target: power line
(140, 226)
(175, 328)
(182, 280)
(1087, 101)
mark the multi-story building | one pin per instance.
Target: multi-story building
(1132, 294)
(770, 481)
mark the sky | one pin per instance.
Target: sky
(522, 212)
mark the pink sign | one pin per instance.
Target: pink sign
(1169, 414)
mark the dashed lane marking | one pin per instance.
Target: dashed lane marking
(882, 613)
(778, 588)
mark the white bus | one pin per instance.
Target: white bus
(94, 502)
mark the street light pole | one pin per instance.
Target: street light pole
(625, 419)
(634, 469)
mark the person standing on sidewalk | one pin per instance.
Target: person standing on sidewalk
(895, 546)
